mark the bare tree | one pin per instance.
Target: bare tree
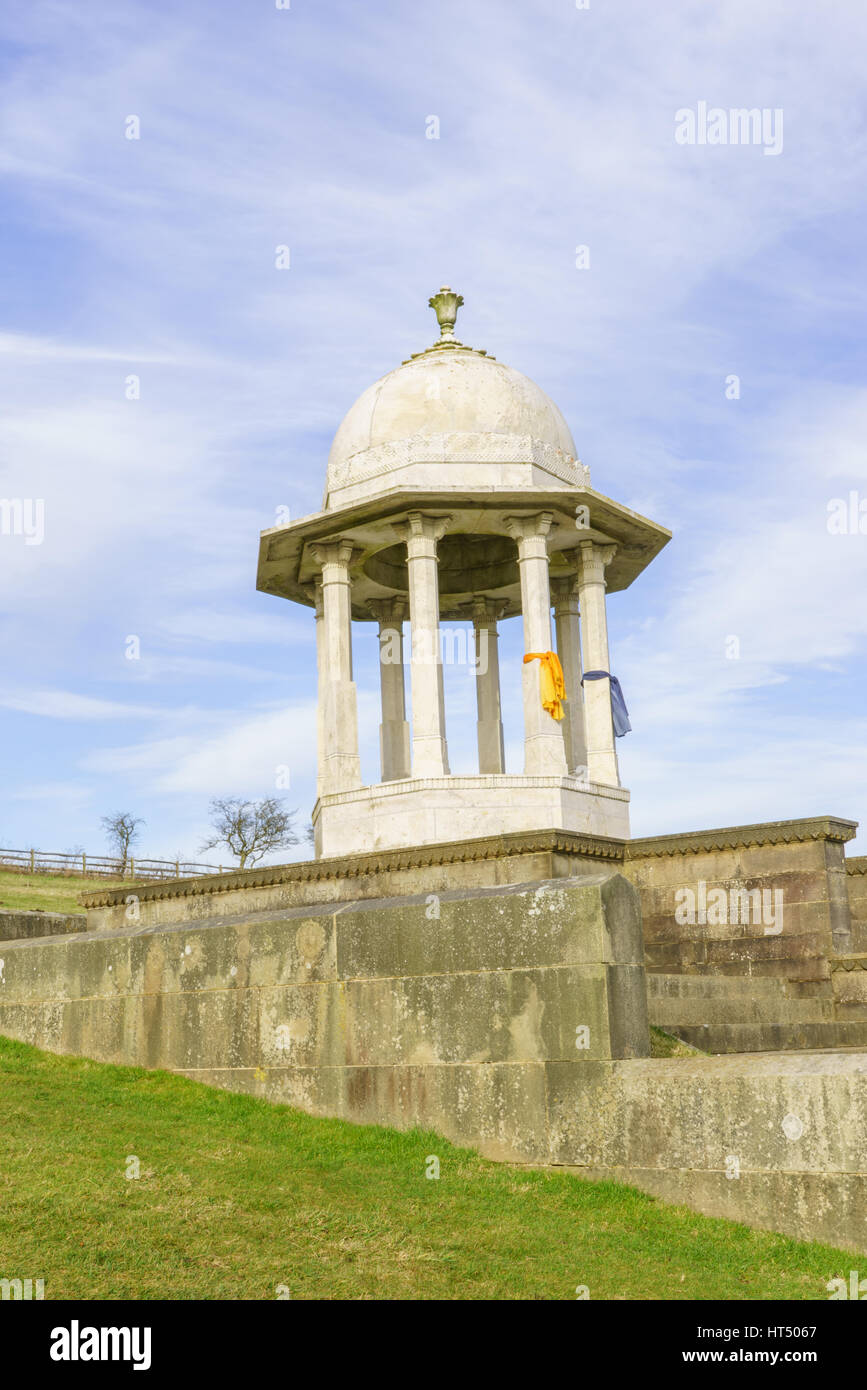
(121, 831)
(250, 829)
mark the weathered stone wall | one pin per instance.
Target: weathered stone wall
(803, 861)
(14, 925)
(849, 984)
(856, 882)
(749, 1013)
(482, 863)
(777, 1141)
(346, 1009)
(460, 1012)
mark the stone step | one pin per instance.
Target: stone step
(724, 1014)
(666, 1011)
(720, 1039)
(665, 985)
(745, 958)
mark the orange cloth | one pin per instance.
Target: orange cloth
(551, 685)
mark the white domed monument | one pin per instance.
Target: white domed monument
(454, 491)
(483, 956)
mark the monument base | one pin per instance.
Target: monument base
(440, 810)
(512, 1018)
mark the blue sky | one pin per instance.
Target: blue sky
(306, 127)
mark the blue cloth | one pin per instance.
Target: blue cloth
(619, 712)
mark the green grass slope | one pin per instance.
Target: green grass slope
(47, 892)
(237, 1197)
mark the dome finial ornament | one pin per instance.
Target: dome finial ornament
(445, 305)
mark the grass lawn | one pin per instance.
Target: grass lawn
(237, 1197)
(48, 892)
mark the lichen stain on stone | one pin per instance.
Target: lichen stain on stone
(193, 954)
(310, 940)
(359, 1089)
(525, 1029)
(296, 1029)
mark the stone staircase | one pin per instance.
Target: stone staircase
(746, 1013)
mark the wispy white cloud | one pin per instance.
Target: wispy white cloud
(66, 704)
(557, 128)
(48, 349)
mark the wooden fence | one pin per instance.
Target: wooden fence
(36, 861)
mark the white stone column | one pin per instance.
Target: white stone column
(601, 755)
(566, 624)
(394, 750)
(315, 589)
(544, 751)
(339, 763)
(429, 750)
(489, 728)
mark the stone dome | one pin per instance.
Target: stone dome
(450, 417)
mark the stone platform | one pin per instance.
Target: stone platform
(509, 1016)
(486, 862)
(801, 860)
(449, 810)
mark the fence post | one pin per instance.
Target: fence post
(83, 862)
(32, 861)
(132, 868)
(177, 868)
